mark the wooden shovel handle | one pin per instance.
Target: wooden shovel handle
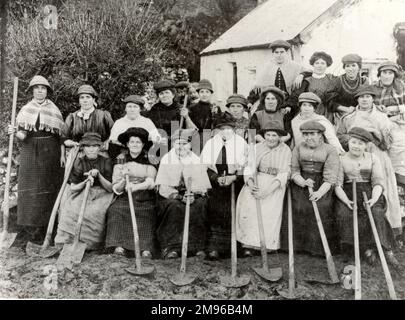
(291, 278)
(6, 209)
(184, 106)
(387, 273)
(186, 227)
(81, 213)
(234, 257)
(329, 259)
(357, 289)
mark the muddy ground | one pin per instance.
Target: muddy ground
(103, 276)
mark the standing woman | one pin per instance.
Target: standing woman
(226, 155)
(269, 110)
(364, 168)
(319, 83)
(175, 168)
(314, 164)
(142, 175)
(368, 117)
(39, 126)
(237, 105)
(308, 103)
(272, 166)
(342, 100)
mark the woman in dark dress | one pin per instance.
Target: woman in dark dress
(364, 168)
(39, 126)
(142, 173)
(314, 164)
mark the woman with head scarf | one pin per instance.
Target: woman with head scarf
(175, 169)
(365, 169)
(134, 105)
(272, 165)
(226, 155)
(137, 165)
(269, 110)
(319, 83)
(98, 170)
(342, 100)
(308, 103)
(368, 117)
(314, 164)
(38, 127)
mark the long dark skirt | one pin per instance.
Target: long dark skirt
(171, 225)
(39, 179)
(305, 229)
(119, 224)
(220, 217)
(345, 219)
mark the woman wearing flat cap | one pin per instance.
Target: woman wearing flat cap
(272, 165)
(364, 168)
(368, 117)
(226, 155)
(308, 102)
(136, 164)
(167, 110)
(314, 164)
(134, 105)
(390, 98)
(342, 100)
(319, 83)
(38, 127)
(98, 170)
(176, 167)
(237, 106)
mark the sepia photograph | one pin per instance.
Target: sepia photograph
(215, 151)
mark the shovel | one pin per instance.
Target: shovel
(184, 106)
(139, 270)
(387, 273)
(357, 288)
(45, 251)
(6, 238)
(233, 281)
(329, 259)
(73, 253)
(183, 278)
(294, 291)
(273, 274)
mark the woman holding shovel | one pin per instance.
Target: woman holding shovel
(365, 168)
(39, 126)
(98, 170)
(272, 167)
(136, 164)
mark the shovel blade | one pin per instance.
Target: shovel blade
(322, 281)
(297, 293)
(144, 271)
(71, 254)
(7, 240)
(234, 282)
(183, 279)
(272, 274)
(36, 250)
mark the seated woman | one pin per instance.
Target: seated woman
(97, 169)
(270, 109)
(175, 168)
(137, 165)
(314, 164)
(272, 166)
(308, 103)
(134, 105)
(365, 168)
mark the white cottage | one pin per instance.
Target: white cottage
(338, 27)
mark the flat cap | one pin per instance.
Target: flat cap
(225, 119)
(183, 134)
(182, 84)
(275, 126)
(361, 134)
(87, 89)
(164, 85)
(365, 89)
(91, 139)
(280, 44)
(309, 97)
(351, 58)
(135, 99)
(311, 126)
(274, 90)
(388, 65)
(237, 98)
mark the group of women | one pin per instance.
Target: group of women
(316, 140)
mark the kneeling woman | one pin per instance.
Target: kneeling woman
(98, 170)
(136, 164)
(175, 169)
(365, 168)
(272, 164)
(314, 164)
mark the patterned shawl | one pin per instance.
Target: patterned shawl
(50, 117)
